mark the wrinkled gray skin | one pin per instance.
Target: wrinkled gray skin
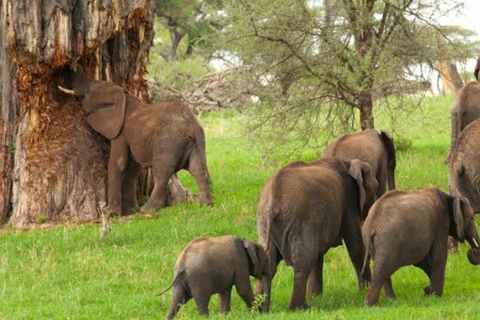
(164, 136)
(465, 110)
(213, 265)
(375, 148)
(304, 209)
(412, 228)
(464, 165)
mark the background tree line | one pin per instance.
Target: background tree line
(315, 66)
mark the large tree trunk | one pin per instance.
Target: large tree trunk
(451, 80)
(54, 165)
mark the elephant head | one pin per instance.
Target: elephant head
(259, 268)
(464, 227)
(367, 185)
(104, 103)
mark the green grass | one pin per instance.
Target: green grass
(68, 273)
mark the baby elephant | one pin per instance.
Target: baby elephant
(404, 228)
(213, 265)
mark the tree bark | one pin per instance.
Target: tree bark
(451, 79)
(366, 111)
(54, 164)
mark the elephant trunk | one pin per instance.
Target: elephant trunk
(473, 253)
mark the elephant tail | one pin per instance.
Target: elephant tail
(387, 140)
(175, 279)
(366, 261)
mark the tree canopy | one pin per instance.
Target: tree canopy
(324, 62)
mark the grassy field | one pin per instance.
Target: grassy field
(68, 273)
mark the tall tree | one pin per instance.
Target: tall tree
(193, 19)
(53, 164)
(340, 56)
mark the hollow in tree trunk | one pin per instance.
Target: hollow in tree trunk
(53, 164)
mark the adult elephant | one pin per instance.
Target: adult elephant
(165, 136)
(304, 209)
(466, 109)
(375, 148)
(464, 165)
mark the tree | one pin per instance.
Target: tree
(318, 62)
(53, 164)
(191, 18)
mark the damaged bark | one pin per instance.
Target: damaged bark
(54, 164)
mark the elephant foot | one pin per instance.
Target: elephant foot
(370, 302)
(206, 202)
(428, 290)
(147, 209)
(128, 210)
(303, 306)
(315, 291)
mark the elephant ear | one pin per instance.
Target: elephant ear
(355, 172)
(459, 205)
(250, 247)
(105, 105)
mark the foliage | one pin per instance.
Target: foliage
(191, 18)
(320, 63)
(68, 273)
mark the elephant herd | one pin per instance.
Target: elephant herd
(304, 208)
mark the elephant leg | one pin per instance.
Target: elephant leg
(180, 297)
(117, 164)
(388, 288)
(197, 167)
(274, 258)
(437, 274)
(315, 280)
(382, 272)
(244, 289)
(225, 300)
(352, 235)
(298, 299)
(128, 188)
(202, 303)
(373, 292)
(162, 172)
(425, 266)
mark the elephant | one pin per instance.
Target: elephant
(412, 228)
(464, 167)
(304, 209)
(375, 148)
(213, 265)
(465, 110)
(165, 136)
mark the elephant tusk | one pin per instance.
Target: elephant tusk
(67, 91)
(475, 242)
